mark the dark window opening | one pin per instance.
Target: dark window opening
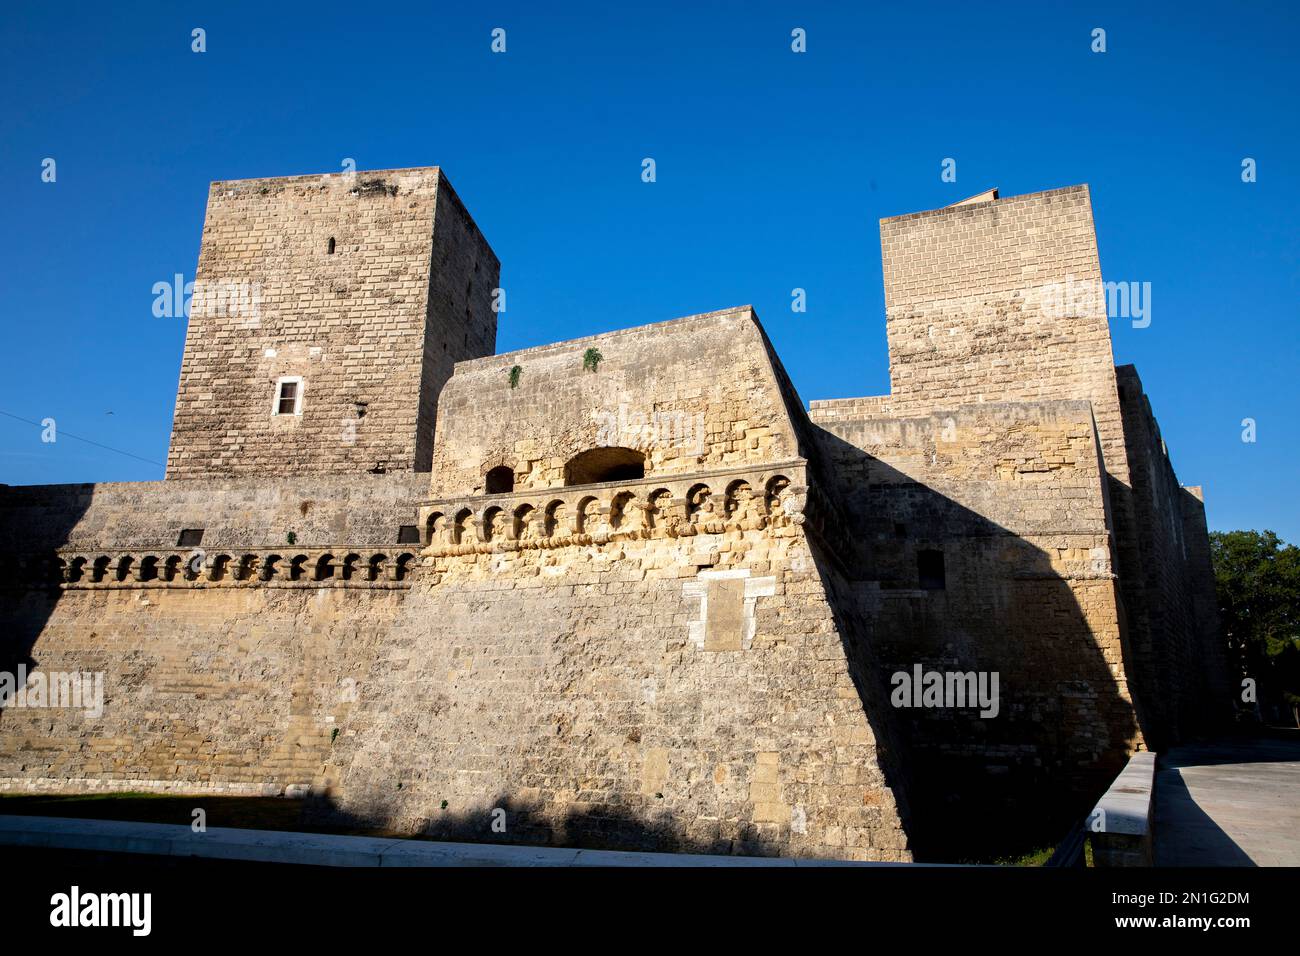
(408, 534)
(604, 464)
(330, 251)
(499, 480)
(900, 531)
(930, 570)
(288, 401)
(190, 538)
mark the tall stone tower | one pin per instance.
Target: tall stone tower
(998, 300)
(327, 314)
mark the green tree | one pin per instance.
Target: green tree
(1257, 578)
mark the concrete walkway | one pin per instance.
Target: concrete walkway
(1231, 804)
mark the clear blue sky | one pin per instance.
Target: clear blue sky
(773, 171)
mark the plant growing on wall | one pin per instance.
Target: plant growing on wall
(515, 372)
(591, 358)
(292, 538)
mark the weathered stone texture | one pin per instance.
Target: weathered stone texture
(1013, 497)
(369, 286)
(692, 394)
(971, 297)
(1179, 661)
(566, 687)
(148, 516)
(233, 690)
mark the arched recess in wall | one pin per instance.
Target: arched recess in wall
(604, 464)
(499, 480)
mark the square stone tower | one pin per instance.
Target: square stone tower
(1000, 300)
(326, 316)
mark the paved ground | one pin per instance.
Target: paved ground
(1231, 804)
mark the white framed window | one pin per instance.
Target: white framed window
(288, 395)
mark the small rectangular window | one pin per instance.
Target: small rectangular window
(190, 538)
(408, 534)
(930, 570)
(288, 396)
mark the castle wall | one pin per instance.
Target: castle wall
(624, 694)
(675, 685)
(1180, 665)
(233, 513)
(659, 662)
(207, 687)
(694, 393)
(1013, 495)
(988, 302)
(461, 316)
(1002, 300)
(378, 317)
(1208, 659)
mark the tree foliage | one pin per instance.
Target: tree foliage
(1257, 577)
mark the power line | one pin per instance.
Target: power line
(148, 461)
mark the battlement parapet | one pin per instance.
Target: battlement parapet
(683, 506)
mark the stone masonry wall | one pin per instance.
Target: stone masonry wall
(673, 685)
(978, 310)
(1179, 661)
(319, 510)
(625, 688)
(665, 661)
(368, 286)
(697, 392)
(1013, 497)
(1002, 300)
(231, 688)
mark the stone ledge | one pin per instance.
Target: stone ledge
(1120, 824)
(313, 849)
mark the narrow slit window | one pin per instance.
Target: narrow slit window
(330, 249)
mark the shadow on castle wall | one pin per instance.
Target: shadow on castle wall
(509, 820)
(977, 788)
(29, 556)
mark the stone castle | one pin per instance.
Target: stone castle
(625, 588)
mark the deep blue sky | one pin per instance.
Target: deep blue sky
(773, 171)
